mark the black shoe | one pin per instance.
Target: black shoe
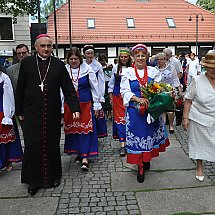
(122, 151)
(140, 174)
(78, 159)
(171, 131)
(56, 184)
(146, 165)
(32, 190)
(85, 166)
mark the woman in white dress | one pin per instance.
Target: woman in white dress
(199, 115)
(169, 76)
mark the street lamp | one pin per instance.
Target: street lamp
(197, 21)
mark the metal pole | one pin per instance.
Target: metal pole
(70, 29)
(197, 30)
(55, 27)
(39, 17)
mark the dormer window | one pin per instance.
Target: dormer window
(170, 22)
(130, 22)
(91, 23)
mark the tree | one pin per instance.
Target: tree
(18, 7)
(47, 8)
(207, 4)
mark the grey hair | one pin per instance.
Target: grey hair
(161, 54)
(168, 52)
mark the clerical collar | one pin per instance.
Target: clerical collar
(42, 57)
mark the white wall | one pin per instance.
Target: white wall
(21, 35)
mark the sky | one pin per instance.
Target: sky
(192, 1)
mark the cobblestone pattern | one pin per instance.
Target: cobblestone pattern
(182, 137)
(89, 193)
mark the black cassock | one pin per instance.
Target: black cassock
(42, 117)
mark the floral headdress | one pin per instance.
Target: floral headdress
(139, 47)
(125, 50)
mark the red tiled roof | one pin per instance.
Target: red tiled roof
(149, 17)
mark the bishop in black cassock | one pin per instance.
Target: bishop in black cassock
(38, 102)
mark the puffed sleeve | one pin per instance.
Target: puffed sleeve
(8, 102)
(94, 89)
(191, 90)
(112, 79)
(101, 83)
(175, 78)
(125, 89)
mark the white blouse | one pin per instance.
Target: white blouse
(8, 100)
(97, 67)
(202, 94)
(87, 70)
(112, 79)
(169, 75)
(129, 74)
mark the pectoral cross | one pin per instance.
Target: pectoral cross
(41, 86)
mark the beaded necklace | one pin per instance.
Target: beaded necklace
(75, 80)
(144, 80)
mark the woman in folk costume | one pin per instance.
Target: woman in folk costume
(125, 61)
(88, 51)
(81, 136)
(10, 144)
(144, 139)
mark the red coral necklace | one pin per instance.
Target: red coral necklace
(144, 80)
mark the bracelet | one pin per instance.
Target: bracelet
(184, 117)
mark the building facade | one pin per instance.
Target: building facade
(110, 24)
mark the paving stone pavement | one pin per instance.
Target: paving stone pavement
(110, 186)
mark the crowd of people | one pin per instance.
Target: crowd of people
(40, 89)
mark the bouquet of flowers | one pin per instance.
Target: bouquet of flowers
(161, 98)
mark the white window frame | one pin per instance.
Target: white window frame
(91, 23)
(130, 22)
(170, 22)
(7, 16)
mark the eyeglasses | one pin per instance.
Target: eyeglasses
(21, 53)
(160, 59)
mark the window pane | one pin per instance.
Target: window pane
(130, 22)
(91, 23)
(6, 32)
(170, 22)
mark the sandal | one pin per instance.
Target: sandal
(85, 166)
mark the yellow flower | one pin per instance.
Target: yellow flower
(157, 85)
